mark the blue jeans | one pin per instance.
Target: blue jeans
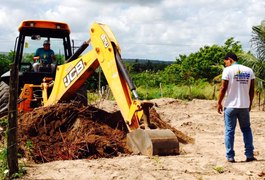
(230, 117)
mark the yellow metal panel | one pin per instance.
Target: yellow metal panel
(71, 76)
(102, 39)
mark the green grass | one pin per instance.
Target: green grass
(219, 169)
(3, 149)
(92, 96)
(3, 163)
(3, 154)
(198, 91)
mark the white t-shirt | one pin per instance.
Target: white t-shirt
(237, 93)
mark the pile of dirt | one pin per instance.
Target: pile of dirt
(70, 131)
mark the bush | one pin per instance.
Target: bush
(4, 63)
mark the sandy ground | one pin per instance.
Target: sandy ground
(203, 160)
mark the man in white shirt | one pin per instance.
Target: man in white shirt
(238, 86)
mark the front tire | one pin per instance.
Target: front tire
(4, 95)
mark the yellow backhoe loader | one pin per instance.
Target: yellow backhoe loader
(48, 88)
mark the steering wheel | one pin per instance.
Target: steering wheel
(27, 65)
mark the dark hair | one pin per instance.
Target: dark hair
(231, 55)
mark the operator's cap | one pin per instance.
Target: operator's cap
(231, 55)
(46, 42)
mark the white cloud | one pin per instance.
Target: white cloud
(159, 29)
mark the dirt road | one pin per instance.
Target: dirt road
(203, 160)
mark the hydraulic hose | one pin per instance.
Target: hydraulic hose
(125, 73)
(79, 51)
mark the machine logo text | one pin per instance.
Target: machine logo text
(73, 73)
(104, 40)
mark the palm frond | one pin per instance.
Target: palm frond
(258, 40)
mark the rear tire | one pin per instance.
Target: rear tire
(4, 95)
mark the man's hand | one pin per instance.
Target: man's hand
(250, 106)
(219, 108)
(35, 58)
(221, 96)
(251, 92)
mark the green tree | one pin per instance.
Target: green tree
(171, 74)
(205, 64)
(258, 40)
(5, 60)
(257, 63)
(146, 78)
(28, 58)
(60, 59)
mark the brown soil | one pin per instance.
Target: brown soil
(203, 159)
(70, 131)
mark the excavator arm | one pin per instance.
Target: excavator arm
(106, 54)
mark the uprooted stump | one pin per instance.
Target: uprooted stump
(68, 131)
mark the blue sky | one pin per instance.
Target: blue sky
(157, 29)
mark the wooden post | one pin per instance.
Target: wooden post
(214, 91)
(99, 83)
(12, 159)
(161, 91)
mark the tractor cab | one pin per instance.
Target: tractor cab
(32, 34)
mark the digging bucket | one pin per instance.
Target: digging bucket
(153, 142)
